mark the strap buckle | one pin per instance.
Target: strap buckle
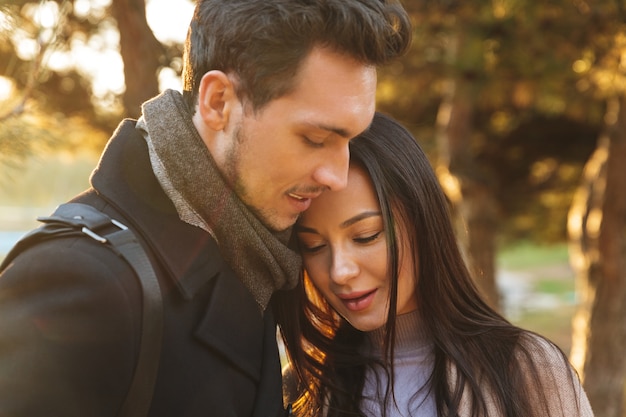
(96, 236)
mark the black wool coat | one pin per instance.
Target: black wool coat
(70, 313)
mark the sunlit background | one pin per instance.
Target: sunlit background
(532, 90)
(98, 57)
(66, 167)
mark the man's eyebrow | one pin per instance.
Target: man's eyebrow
(337, 130)
(361, 216)
(330, 128)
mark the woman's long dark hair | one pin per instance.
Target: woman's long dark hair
(489, 354)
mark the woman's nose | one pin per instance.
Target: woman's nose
(343, 267)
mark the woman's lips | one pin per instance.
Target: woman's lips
(358, 301)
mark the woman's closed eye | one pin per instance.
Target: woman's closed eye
(368, 238)
(310, 247)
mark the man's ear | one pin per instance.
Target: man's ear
(215, 99)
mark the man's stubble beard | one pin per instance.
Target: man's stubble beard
(233, 177)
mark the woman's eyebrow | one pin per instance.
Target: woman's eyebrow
(359, 217)
(347, 223)
(304, 229)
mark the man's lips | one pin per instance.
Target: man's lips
(305, 196)
(301, 202)
(357, 301)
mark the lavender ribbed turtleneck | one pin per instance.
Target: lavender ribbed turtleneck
(412, 365)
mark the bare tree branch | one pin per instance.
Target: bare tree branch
(37, 63)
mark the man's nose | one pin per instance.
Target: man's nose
(333, 171)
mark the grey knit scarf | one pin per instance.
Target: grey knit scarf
(188, 174)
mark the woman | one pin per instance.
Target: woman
(385, 285)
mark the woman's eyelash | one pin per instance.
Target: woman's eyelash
(310, 249)
(360, 240)
(368, 239)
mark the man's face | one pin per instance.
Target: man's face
(296, 147)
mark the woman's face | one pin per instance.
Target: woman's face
(344, 247)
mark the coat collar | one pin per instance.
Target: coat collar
(124, 178)
(231, 324)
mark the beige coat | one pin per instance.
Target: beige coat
(560, 385)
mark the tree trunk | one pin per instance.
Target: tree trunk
(474, 206)
(597, 229)
(141, 53)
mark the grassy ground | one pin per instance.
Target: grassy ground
(547, 282)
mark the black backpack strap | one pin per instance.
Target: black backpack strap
(73, 219)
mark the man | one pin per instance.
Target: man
(211, 181)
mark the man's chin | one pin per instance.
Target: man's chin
(281, 225)
(275, 223)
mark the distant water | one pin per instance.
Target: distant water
(8, 239)
(16, 221)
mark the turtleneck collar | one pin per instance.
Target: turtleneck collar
(410, 335)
